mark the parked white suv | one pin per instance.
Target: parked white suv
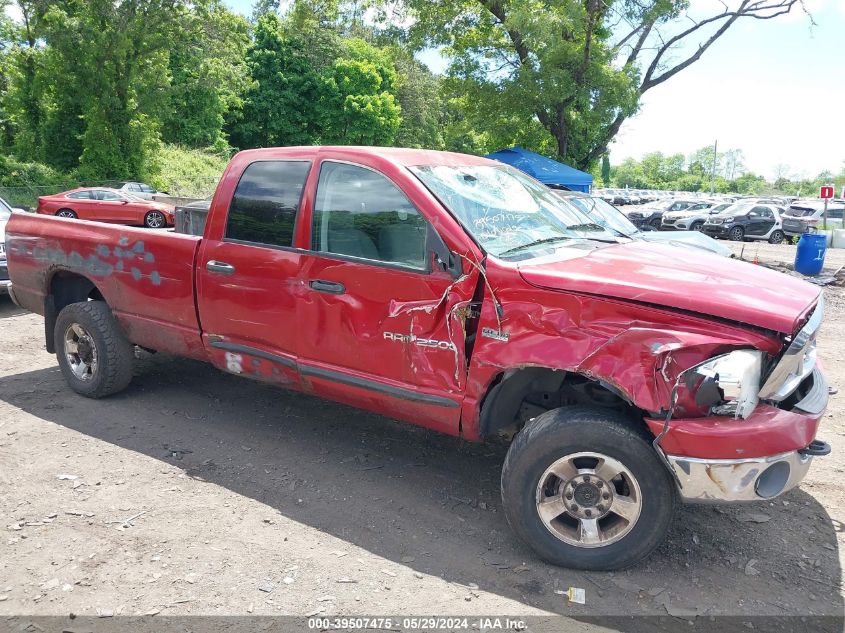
(692, 218)
(808, 215)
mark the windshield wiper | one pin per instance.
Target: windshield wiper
(545, 240)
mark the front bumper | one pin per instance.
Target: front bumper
(716, 230)
(736, 480)
(5, 282)
(722, 459)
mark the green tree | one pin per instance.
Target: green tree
(207, 65)
(358, 105)
(280, 106)
(419, 97)
(605, 170)
(630, 174)
(576, 67)
(117, 51)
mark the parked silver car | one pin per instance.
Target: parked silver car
(5, 214)
(140, 190)
(693, 217)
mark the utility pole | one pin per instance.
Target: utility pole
(713, 171)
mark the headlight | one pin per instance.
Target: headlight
(731, 383)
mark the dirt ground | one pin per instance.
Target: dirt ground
(198, 492)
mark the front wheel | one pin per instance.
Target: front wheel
(655, 223)
(737, 233)
(585, 489)
(93, 353)
(696, 226)
(154, 220)
(777, 237)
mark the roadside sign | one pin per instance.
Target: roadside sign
(826, 192)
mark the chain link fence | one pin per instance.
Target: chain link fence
(182, 191)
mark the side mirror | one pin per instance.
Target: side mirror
(443, 257)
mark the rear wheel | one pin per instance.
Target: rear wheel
(737, 233)
(93, 354)
(66, 213)
(155, 220)
(777, 237)
(585, 489)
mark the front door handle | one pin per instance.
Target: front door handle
(332, 287)
(213, 266)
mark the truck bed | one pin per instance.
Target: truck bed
(147, 277)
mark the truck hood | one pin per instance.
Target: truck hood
(677, 278)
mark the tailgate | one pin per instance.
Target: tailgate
(146, 276)
(794, 225)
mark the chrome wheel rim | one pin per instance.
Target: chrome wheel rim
(155, 220)
(65, 214)
(80, 352)
(736, 234)
(588, 500)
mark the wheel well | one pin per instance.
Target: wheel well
(65, 288)
(518, 395)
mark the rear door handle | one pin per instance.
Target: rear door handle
(213, 266)
(331, 287)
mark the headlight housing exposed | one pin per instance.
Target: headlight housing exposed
(730, 384)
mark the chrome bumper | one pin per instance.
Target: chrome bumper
(731, 480)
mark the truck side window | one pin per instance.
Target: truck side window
(360, 213)
(264, 206)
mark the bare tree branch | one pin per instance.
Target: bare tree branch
(759, 10)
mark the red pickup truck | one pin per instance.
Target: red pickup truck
(457, 293)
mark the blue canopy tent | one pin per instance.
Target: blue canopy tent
(546, 170)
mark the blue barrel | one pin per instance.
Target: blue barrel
(809, 258)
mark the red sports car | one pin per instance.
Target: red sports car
(107, 205)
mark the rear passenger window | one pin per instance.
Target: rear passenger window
(360, 213)
(80, 195)
(263, 209)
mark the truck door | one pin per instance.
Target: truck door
(247, 273)
(379, 326)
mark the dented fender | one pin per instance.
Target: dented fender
(637, 351)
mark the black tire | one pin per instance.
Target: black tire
(114, 353)
(696, 226)
(66, 213)
(777, 237)
(737, 234)
(155, 220)
(655, 223)
(570, 430)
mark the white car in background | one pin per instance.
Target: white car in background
(5, 214)
(606, 215)
(692, 218)
(140, 190)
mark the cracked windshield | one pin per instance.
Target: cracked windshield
(508, 213)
